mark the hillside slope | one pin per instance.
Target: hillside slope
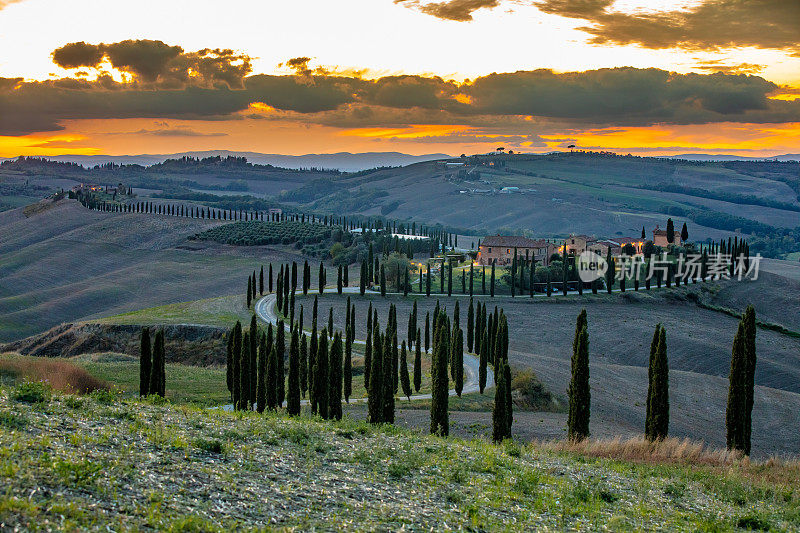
(572, 193)
(186, 469)
(67, 263)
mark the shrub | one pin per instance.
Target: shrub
(31, 392)
(209, 446)
(104, 396)
(529, 391)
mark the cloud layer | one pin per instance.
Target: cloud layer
(710, 25)
(166, 82)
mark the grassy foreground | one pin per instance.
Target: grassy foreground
(98, 462)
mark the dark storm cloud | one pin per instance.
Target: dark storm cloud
(626, 95)
(710, 25)
(157, 63)
(170, 84)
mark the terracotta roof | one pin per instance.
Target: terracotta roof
(512, 241)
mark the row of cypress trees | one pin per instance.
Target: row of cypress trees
(152, 374)
(738, 416)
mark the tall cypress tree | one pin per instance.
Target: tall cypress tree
(272, 379)
(383, 280)
(375, 389)
(492, 281)
(362, 283)
(244, 373)
(405, 380)
(348, 361)
(321, 375)
(659, 402)
(737, 395)
(418, 362)
(389, 372)
(249, 293)
(427, 331)
(293, 398)
(650, 381)
(261, 280)
(470, 325)
(578, 392)
(499, 415)
(440, 424)
(471, 278)
(339, 280)
(280, 351)
(236, 360)
(335, 379)
(321, 277)
(749, 320)
(459, 361)
(145, 362)
(254, 336)
(304, 365)
(261, 393)
(483, 361)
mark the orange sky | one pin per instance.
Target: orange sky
(502, 36)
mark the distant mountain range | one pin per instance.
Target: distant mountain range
(344, 161)
(726, 157)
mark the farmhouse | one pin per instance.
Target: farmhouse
(501, 249)
(660, 238)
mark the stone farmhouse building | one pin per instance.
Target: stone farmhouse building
(500, 249)
(660, 238)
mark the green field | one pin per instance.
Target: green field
(258, 233)
(223, 311)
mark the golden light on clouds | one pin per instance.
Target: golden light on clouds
(410, 132)
(45, 145)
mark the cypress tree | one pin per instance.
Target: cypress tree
(279, 291)
(146, 362)
(272, 379)
(335, 379)
(339, 280)
(280, 350)
(253, 359)
(321, 278)
(659, 402)
(499, 415)
(492, 282)
(650, 381)
(293, 398)
(383, 281)
(261, 281)
(313, 346)
(321, 375)
(330, 322)
(483, 361)
(609, 271)
(470, 325)
(348, 361)
(509, 398)
(368, 349)
(471, 278)
(440, 424)
(244, 373)
(249, 293)
(459, 361)
(304, 365)
(236, 360)
(375, 389)
(261, 393)
(418, 362)
(411, 332)
(427, 331)
(737, 396)
(670, 231)
(270, 277)
(578, 392)
(346, 276)
(406, 283)
(362, 283)
(428, 282)
(450, 278)
(405, 380)
(749, 320)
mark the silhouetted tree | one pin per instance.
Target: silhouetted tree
(335, 379)
(145, 362)
(578, 392)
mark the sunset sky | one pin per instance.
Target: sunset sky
(457, 76)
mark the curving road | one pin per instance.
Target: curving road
(265, 310)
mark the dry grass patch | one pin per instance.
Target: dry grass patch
(61, 375)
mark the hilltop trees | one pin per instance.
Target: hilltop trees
(145, 362)
(578, 391)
